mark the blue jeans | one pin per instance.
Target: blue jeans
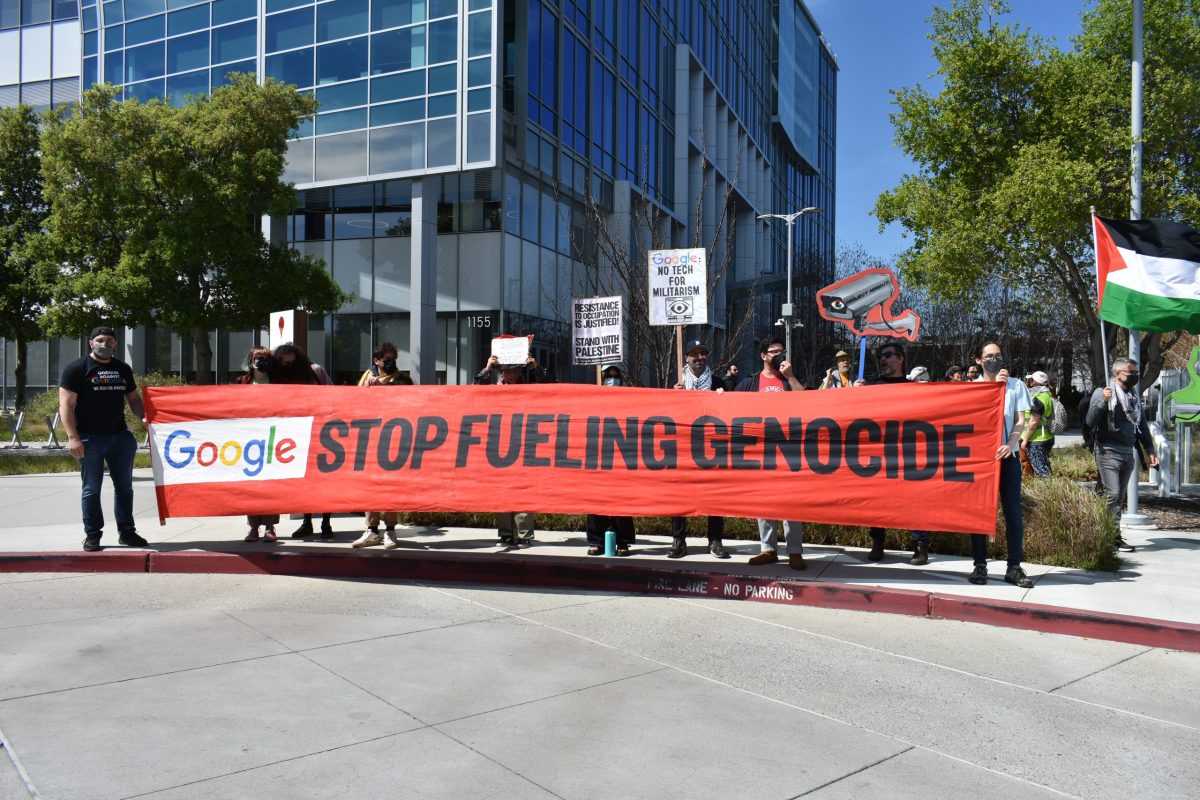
(1014, 523)
(116, 450)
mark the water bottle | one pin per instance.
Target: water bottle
(610, 542)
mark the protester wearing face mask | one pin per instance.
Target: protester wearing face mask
(892, 363)
(292, 365)
(259, 364)
(1118, 420)
(597, 524)
(92, 395)
(1016, 403)
(383, 372)
(697, 376)
(839, 376)
(776, 376)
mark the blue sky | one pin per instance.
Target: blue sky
(880, 45)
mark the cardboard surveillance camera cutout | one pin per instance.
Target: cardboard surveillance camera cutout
(863, 303)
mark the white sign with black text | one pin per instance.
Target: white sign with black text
(596, 336)
(678, 287)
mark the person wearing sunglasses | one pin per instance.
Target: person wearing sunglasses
(890, 358)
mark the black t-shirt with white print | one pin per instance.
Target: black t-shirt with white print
(101, 389)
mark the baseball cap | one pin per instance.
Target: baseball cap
(1040, 377)
(102, 330)
(693, 345)
(840, 354)
(919, 374)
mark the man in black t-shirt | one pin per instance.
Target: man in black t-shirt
(91, 404)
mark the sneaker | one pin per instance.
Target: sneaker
(326, 529)
(506, 541)
(978, 575)
(796, 561)
(1017, 577)
(718, 550)
(1124, 546)
(252, 536)
(522, 542)
(305, 529)
(527, 535)
(876, 553)
(131, 539)
(393, 542)
(91, 542)
(678, 548)
(269, 534)
(370, 538)
(765, 557)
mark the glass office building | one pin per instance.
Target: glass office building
(463, 147)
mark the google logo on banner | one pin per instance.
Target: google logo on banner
(231, 450)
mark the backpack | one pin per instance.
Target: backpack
(1058, 416)
(1089, 435)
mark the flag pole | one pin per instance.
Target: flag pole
(1103, 338)
(1132, 516)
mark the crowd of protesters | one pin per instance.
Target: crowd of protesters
(95, 389)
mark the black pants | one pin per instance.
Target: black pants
(597, 524)
(716, 528)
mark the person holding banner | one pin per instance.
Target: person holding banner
(1016, 403)
(598, 524)
(515, 528)
(383, 372)
(776, 376)
(259, 363)
(892, 363)
(698, 376)
(292, 365)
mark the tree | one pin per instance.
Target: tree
(155, 213)
(24, 280)
(1023, 138)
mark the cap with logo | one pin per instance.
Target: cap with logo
(694, 345)
(1040, 377)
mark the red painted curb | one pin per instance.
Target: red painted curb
(112, 561)
(1069, 621)
(623, 576)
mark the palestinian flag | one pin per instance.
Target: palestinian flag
(1148, 274)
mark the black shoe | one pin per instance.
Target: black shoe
(920, 555)
(876, 553)
(1017, 577)
(718, 550)
(1124, 546)
(305, 529)
(91, 542)
(527, 536)
(131, 539)
(326, 529)
(678, 549)
(506, 541)
(978, 575)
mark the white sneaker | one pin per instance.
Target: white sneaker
(369, 538)
(393, 542)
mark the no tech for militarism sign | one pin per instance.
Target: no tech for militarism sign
(678, 287)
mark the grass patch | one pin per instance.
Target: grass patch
(38, 465)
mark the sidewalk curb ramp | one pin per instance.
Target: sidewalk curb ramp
(625, 576)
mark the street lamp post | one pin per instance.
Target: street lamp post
(788, 312)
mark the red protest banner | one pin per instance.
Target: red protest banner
(917, 456)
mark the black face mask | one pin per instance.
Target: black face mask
(388, 366)
(993, 365)
(264, 363)
(1129, 382)
(776, 361)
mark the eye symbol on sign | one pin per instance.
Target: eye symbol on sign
(679, 307)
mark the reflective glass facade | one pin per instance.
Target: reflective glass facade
(519, 118)
(39, 52)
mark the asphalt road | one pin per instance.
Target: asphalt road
(194, 686)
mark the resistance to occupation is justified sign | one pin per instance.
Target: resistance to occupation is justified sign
(892, 456)
(678, 287)
(596, 335)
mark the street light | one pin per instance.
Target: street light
(788, 314)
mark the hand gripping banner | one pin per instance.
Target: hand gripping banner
(892, 456)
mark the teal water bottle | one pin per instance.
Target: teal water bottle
(610, 542)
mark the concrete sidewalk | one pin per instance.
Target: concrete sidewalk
(1160, 583)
